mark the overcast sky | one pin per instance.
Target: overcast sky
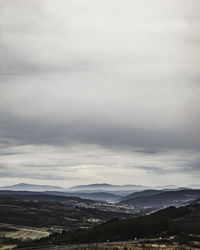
(100, 91)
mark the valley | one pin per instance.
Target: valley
(41, 217)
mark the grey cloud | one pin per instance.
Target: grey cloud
(192, 168)
(189, 168)
(156, 170)
(10, 153)
(30, 175)
(39, 172)
(13, 66)
(29, 131)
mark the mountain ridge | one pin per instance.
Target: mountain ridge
(95, 187)
(35, 187)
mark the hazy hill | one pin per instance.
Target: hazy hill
(149, 192)
(163, 199)
(91, 188)
(32, 187)
(144, 193)
(105, 186)
(117, 190)
(98, 192)
(166, 187)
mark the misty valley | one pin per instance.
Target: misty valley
(97, 216)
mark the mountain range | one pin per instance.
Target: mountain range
(98, 192)
(131, 195)
(89, 188)
(32, 187)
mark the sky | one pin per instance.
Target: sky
(100, 92)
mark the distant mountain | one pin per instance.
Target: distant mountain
(166, 187)
(104, 187)
(82, 188)
(116, 190)
(121, 190)
(108, 186)
(162, 199)
(98, 185)
(32, 187)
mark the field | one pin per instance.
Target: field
(19, 232)
(13, 233)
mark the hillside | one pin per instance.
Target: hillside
(163, 199)
(144, 193)
(98, 196)
(181, 221)
(38, 196)
(47, 213)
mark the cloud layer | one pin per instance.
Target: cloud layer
(95, 91)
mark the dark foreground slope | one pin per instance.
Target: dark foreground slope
(192, 243)
(181, 221)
